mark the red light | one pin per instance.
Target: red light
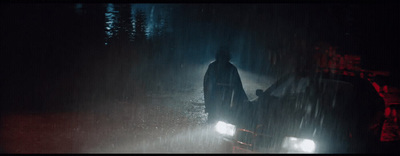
(376, 86)
(385, 89)
(387, 112)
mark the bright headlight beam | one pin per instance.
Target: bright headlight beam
(307, 145)
(225, 128)
(296, 145)
(293, 139)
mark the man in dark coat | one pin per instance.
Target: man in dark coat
(223, 90)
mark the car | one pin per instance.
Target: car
(310, 113)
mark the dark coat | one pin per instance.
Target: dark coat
(223, 90)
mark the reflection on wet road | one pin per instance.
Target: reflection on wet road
(161, 122)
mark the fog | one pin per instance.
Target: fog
(129, 76)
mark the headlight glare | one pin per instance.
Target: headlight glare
(307, 146)
(298, 145)
(225, 128)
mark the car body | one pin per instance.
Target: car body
(315, 113)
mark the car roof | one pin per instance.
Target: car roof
(356, 81)
(347, 78)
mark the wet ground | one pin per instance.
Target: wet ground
(162, 121)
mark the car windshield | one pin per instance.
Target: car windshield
(334, 90)
(327, 88)
(290, 86)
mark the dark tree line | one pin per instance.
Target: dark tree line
(54, 56)
(131, 52)
(53, 53)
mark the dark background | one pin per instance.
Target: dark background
(54, 56)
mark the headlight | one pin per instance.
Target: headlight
(225, 128)
(292, 144)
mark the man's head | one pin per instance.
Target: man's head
(223, 55)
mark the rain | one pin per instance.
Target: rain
(128, 77)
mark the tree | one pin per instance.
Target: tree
(126, 28)
(140, 26)
(160, 26)
(123, 29)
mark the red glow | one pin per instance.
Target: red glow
(329, 61)
(387, 112)
(385, 89)
(376, 86)
(390, 129)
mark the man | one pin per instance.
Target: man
(223, 90)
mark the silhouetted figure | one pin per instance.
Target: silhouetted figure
(223, 90)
